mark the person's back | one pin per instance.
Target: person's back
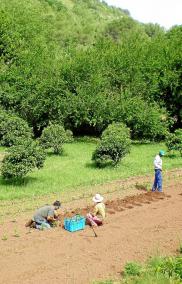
(158, 163)
(42, 213)
(44, 216)
(97, 217)
(99, 210)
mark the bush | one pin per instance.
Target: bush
(166, 270)
(174, 141)
(171, 267)
(69, 136)
(132, 269)
(114, 145)
(53, 136)
(22, 159)
(13, 129)
(145, 120)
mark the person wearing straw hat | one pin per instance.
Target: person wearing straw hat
(99, 213)
(157, 185)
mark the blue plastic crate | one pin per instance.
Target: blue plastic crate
(75, 223)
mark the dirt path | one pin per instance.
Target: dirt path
(136, 227)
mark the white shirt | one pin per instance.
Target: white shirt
(157, 163)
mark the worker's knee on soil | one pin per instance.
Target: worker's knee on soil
(43, 226)
(29, 223)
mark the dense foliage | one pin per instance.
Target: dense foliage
(84, 65)
(174, 141)
(69, 136)
(114, 145)
(53, 136)
(22, 159)
(13, 129)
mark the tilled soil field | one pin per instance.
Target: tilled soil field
(136, 227)
(121, 204)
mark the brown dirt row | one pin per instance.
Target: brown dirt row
(137, 226)
(82, 197)
(120, 204)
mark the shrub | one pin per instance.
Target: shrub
(69, 136)
(132, 269)
(13, 129)
(114, 145)
(171, 266)
(174, 141)
(145, 120)
(53, 136)
(22, 159)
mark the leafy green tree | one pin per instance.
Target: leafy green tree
(146, 120)
(13, 129)
(114, 145)
(174, 141)
(76, 76)
(153, 30)
(53, 136)
(22, 159)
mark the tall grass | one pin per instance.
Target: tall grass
(74, 169)
(158, 270)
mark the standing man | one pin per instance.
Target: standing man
(158, 172)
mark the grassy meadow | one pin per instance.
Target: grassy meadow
(74, 171)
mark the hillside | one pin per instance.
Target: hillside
(72, 21)
(82, 21)
(85, 64)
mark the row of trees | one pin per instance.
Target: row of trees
(128, 72)
(25, 154)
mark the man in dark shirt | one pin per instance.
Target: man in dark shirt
(44, 216)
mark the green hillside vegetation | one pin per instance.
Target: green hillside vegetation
(84, 64)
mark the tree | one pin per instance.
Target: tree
(114, 145)
(22, 159)
(53, 136)
(13, 129)
(174, 141)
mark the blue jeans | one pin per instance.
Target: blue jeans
(42, 224)
(157, 181)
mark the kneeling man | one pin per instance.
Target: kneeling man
(45, 216)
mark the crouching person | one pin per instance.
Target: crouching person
(99, 213)
(45, 216)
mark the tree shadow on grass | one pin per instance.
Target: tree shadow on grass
(91, 165)
(52, 154)
(106, 165)
(171, 155)
(18, 182)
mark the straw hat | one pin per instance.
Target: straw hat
(97, 198)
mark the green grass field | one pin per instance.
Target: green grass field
(74, 170)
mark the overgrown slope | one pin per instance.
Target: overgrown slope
(84, 64)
